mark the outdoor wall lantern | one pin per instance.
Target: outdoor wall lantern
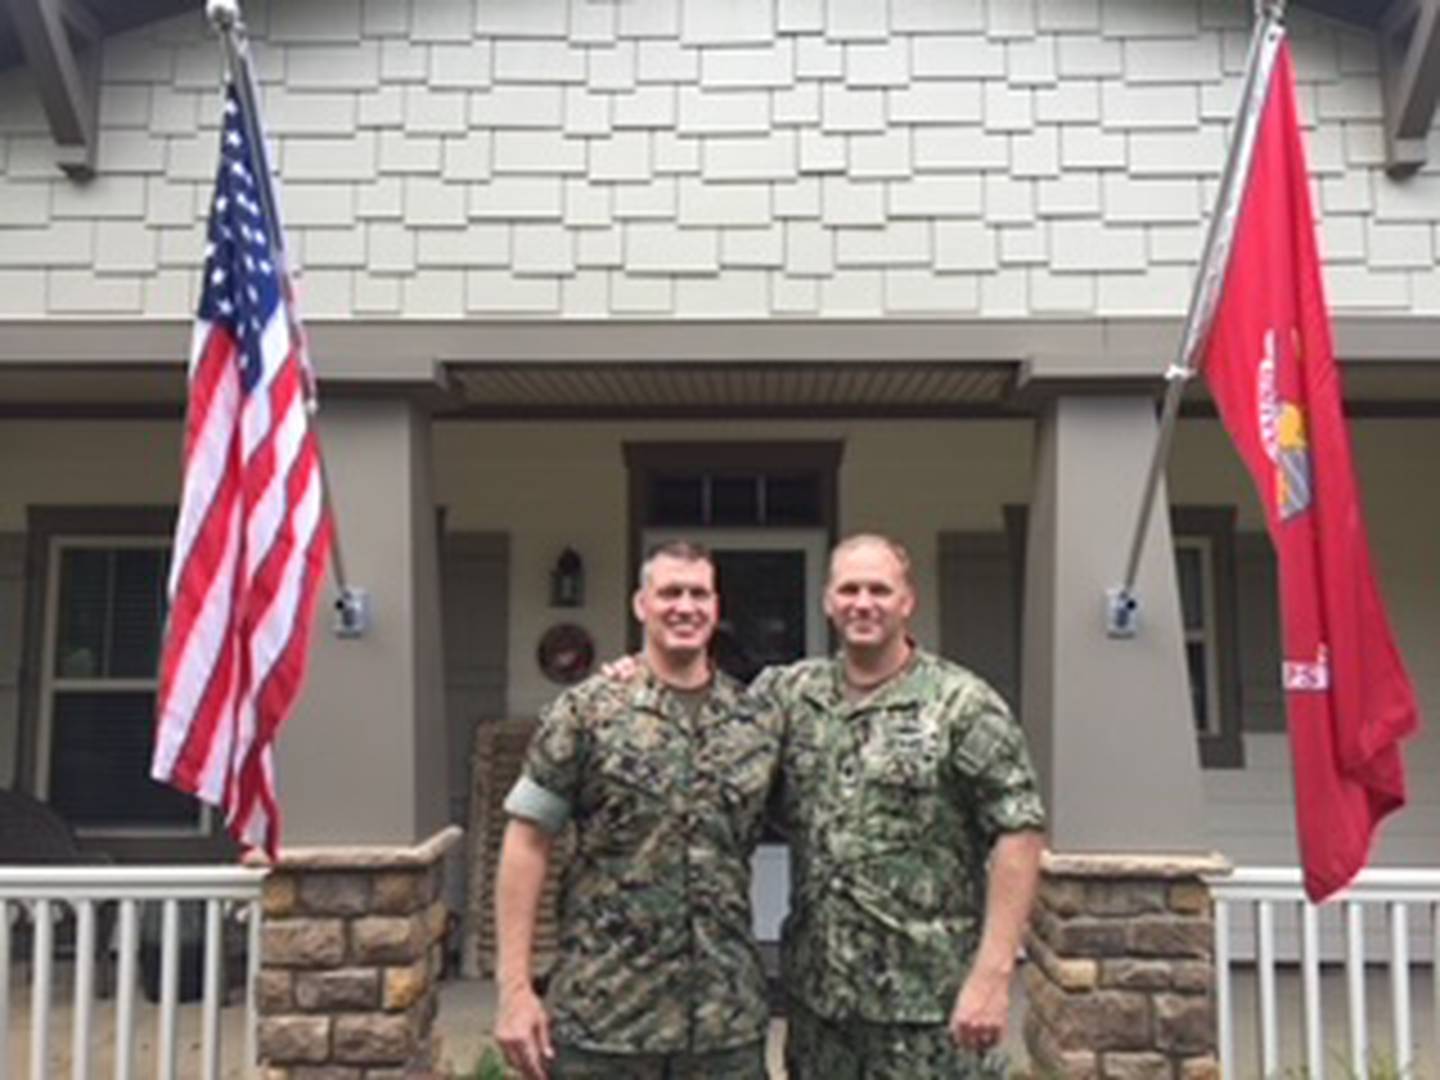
(567, 580)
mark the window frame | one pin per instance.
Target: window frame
(51, 683)
(1207, 635)
(1213, 529)
(45, 524)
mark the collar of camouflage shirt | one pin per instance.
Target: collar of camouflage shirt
(652, 693)
(898, 691)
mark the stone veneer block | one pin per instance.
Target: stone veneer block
(343, 989)
(1121, 982)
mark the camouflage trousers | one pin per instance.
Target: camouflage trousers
(821, 1049)
(740, 1063)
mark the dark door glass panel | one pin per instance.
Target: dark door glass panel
(792, 499)
(735, 500)
(100, 763)
(762, 610)
(677, 500)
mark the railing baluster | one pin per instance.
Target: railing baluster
(1310, 980)
(125, 990)
(210, 1022)
(1355, 988)
(1435, 970)
(40, 967)
(1400, 986)
(84, 988)
(1265, 959)
(169, 989)
(5, 986)
(252, 980)
(35, 896)
(1226, 1025)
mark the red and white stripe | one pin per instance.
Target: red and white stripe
(250, 549)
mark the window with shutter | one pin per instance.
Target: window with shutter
(981, 600)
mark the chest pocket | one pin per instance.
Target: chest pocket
(628, 798)
(742, 763)
(900, 771)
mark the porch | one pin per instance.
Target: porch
(1294, 1000)
(467, 1008)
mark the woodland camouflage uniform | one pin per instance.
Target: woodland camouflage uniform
(892, 804)
(656, 952)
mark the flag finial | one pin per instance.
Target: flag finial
(223, 14)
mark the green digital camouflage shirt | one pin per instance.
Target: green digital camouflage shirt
(657, 953)
(892, 804)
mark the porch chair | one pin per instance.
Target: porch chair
(33, 834)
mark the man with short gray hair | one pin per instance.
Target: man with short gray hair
(915, 822)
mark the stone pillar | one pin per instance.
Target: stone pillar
(350, 957)
(1121, 978)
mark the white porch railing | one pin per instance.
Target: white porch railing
(1402, 905)
(50, 894)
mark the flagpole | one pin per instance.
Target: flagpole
(352, 606)
(1122, 604)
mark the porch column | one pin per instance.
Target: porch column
(362, 761)
(1121, 980)
(1109, 720)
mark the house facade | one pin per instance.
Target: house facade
(583, 275)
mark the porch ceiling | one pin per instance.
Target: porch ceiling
(708, 389)
(98, 387)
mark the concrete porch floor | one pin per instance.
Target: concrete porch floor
(467, 1013)
(467, 1010)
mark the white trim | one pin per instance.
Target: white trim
(1207, 636)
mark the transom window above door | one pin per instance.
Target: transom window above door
(737, 499)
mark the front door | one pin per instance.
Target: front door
(770, 582)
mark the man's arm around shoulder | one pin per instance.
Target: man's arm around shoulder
(522, 1027)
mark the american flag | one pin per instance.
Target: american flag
(254, 530)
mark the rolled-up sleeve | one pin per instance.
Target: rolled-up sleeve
(549, 781)
(530, 801)
(992, 754)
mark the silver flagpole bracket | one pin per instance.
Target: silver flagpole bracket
(1122, 613)
(352, 612)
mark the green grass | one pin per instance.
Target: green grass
(491, 1066)
(1380, 1067)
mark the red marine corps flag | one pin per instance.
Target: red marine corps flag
(1271, 367)
(254, 529)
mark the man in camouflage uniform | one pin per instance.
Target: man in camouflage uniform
(903, 774)
(665, 778)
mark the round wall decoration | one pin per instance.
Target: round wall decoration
(566, 653)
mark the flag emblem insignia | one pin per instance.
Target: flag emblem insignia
(1307, 675)
(1283, 433)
